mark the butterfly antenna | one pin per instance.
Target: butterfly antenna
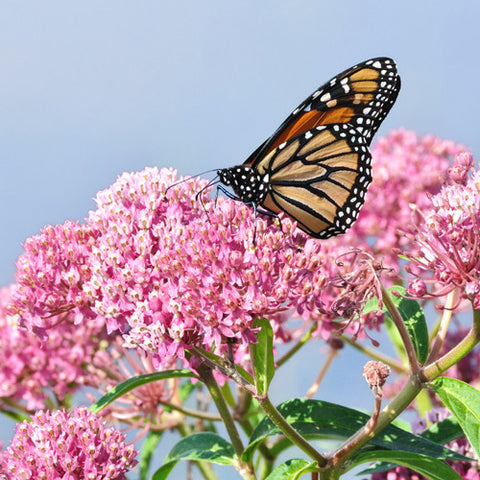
(208, 185)
(199, 193)
(186, 179)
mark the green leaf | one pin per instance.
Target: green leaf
(203, 446)
(132, 383)
(199, 446)
(164, 471)
(443, 432)
(148, 448)
(262, 356)
(413, 317)
(330, 421)
(426, 465)
(464, 402)
(292, 470)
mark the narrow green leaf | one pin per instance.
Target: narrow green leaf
(464, 402)
(426, 465)
(292, 470)
(16, 416)
(262, 355)
(132, 383)
(413, 317)
(330, 421)
(227, 394)
(146, 454)
(415, 322)
(255, 413)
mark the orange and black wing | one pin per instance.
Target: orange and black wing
(319, 178)
(360, 96)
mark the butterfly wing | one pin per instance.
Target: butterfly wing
(319, 178)
(360, 96)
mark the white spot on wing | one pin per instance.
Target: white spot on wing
(326, 97)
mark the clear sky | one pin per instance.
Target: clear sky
(91, 89)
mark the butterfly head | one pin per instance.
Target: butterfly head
(247, 183)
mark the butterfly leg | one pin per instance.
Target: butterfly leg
(226, 193)
(256, 210)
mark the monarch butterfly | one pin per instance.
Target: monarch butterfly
(316, 167)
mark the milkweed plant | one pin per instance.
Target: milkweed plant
(161, 312)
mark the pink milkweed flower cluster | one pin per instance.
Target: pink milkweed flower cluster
(76, 445)
(30, 367)
(174, 273)
(51, 275)
(407, 170)
(448, 242)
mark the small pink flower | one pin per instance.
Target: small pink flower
(417, 288)
(59, 444)
(458, 173)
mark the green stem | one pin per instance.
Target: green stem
(330, 474)
(212, 417)
(398, 404)
(465, 346)
(277, 418)
(18, 407)
(388, 414)
(402, 330)
(206, 375)
(442, 329)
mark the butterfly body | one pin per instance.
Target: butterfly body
(248, 185)
(316, 167)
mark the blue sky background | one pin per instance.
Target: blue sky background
(91, 89)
